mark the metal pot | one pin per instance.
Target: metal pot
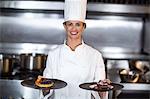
(39, 62)
(26, 61)
(1, 62)
(33, 62)
(7, 66)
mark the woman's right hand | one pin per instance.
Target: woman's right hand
(45, 91)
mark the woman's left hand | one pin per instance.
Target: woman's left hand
(104, 82)
(103, 95)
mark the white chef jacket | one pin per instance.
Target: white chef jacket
(85, 64)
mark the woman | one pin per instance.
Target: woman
(74, 61)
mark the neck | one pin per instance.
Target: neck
(73, 43)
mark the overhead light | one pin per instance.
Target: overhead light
(28, 15)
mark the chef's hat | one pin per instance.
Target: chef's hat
(75, 10)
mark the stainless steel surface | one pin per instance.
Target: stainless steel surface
(14, 89)
(135, 2)
(108, 34)
(136, 86)
(45, 5)
(126, 56)
(32, 29)
(20, 48)
(118, 8)
(147, 36)
(103, 34)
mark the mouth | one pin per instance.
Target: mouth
(73, 33)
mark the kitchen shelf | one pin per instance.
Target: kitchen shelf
(126, 56)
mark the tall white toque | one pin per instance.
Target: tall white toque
(75, 10)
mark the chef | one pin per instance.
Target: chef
(74, 61)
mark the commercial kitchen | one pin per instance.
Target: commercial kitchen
(119, 29)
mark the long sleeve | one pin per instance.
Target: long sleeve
(100, 74)
(48, 70)
(47, 74)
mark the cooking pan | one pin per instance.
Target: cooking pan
(142, 66)
(128, 76)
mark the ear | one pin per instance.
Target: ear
(84, 25)
(64, 26)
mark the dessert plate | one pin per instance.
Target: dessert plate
(31, 83)
(102, 88)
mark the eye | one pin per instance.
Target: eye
(69, 24)
(78, 24)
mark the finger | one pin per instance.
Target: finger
(39, 77)
(107, 81)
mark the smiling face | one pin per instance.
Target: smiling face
(74, 29)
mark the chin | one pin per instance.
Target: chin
(74, 37)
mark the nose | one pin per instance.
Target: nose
(74, 27)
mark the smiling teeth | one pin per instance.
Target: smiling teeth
(73, 33)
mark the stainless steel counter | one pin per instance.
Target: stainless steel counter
(126, 56)
(136, 86)
(14, 89)
(134, 91)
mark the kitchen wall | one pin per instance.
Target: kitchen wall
(104, 34)
(110, 31)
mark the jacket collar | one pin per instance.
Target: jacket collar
(78, 47)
